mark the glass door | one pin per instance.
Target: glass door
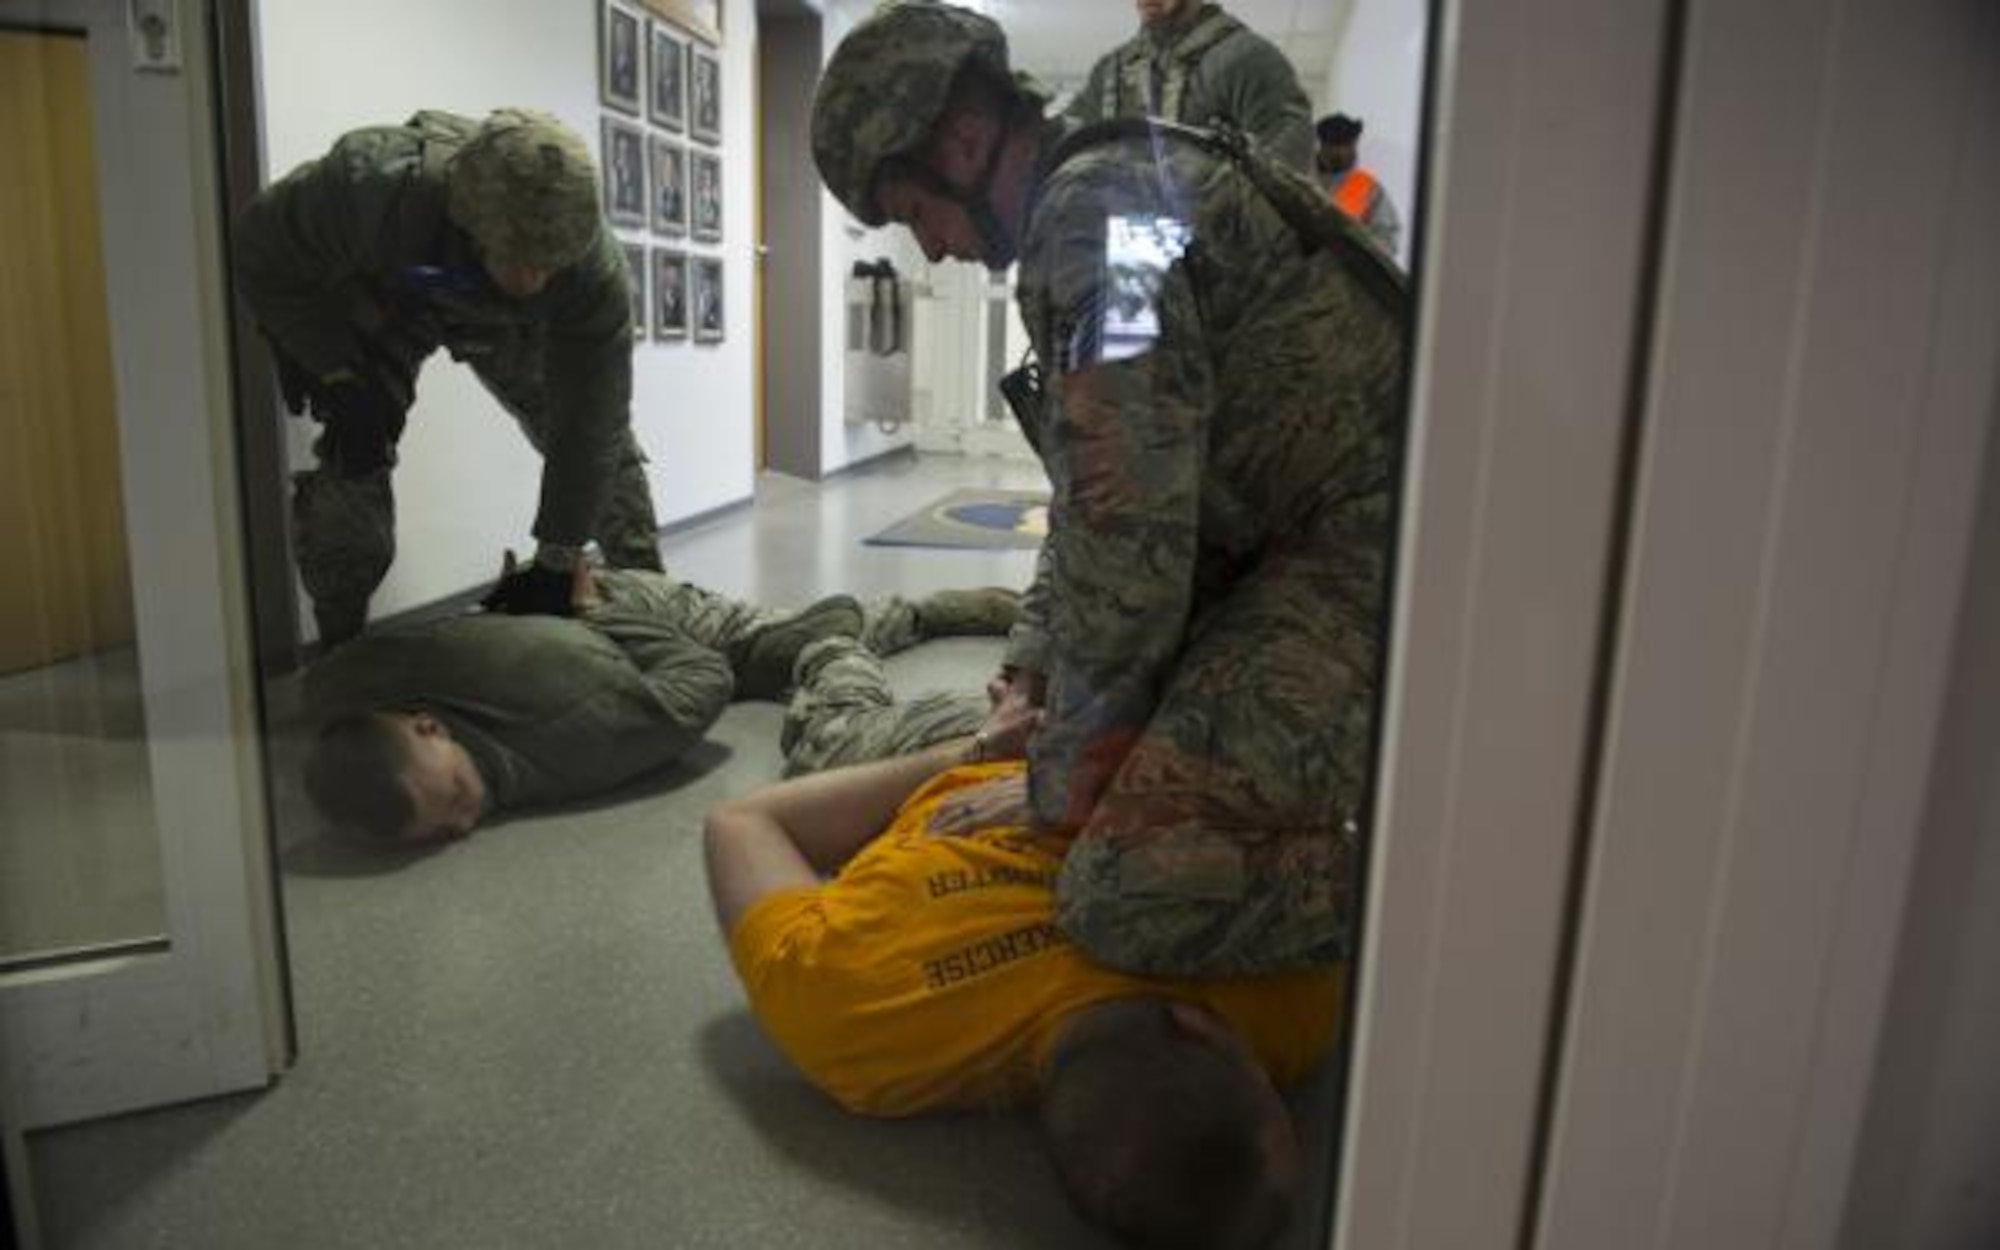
(137, 946)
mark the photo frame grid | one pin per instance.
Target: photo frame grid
(661, 84)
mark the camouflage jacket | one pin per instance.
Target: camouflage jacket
(1213, 386)
(1202, 66)
(549, 708)
(351, 257)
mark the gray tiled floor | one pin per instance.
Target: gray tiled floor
(533, 1038)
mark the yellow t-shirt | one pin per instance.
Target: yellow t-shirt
(929, 973)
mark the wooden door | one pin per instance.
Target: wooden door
(68, 590)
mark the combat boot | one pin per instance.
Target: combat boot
(764, 670)
(954, 613)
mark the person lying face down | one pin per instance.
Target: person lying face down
(427, 730)
(926, 973)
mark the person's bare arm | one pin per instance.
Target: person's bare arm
(786, 836)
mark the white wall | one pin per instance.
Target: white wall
(1378, 76)
(468, 482)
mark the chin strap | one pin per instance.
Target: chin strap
(999, 246)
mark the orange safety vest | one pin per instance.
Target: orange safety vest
(1355, 193)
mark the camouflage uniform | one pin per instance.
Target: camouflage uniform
(1220, 528)
(550, 709)
(844, 712)
(361, 263)
(732, 626)
(553, 709)
(1197, 66)
(1225, 361)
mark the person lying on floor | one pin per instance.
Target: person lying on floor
(426, 731)
(893, 924)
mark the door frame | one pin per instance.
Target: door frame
(1687, 529)
(202, 1010)
(1535, 215)
(264, 475)
(1826, 368)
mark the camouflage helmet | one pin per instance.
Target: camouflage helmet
(886, 87)
(524, 187)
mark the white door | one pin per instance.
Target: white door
(1825, 362)
(1540, 168)
(139, 962)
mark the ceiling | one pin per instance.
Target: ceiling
(1058, 40)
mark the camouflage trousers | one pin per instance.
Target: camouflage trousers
(727, 625)
(844, 713)
(344, 528)
(1226, 844)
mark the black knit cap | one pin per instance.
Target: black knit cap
(1339, 128)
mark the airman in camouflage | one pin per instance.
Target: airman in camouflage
(484, 238)
(539, 710)
(1223, 458)
(1191, 62)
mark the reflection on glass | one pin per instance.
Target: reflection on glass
(435, 971)
(79, 858)
(1138, 251)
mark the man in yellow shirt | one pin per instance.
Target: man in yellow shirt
(927, 974)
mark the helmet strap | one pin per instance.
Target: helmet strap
(994, 240)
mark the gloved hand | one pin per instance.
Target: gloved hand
(532, 591)
(363, 421)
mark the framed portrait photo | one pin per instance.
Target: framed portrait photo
(624, 172)
(635, 273)
(705, 197)
(670, 293)
(619, 55)
(704, 93)
(666, 96)
(705, 299)
(669, 180)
